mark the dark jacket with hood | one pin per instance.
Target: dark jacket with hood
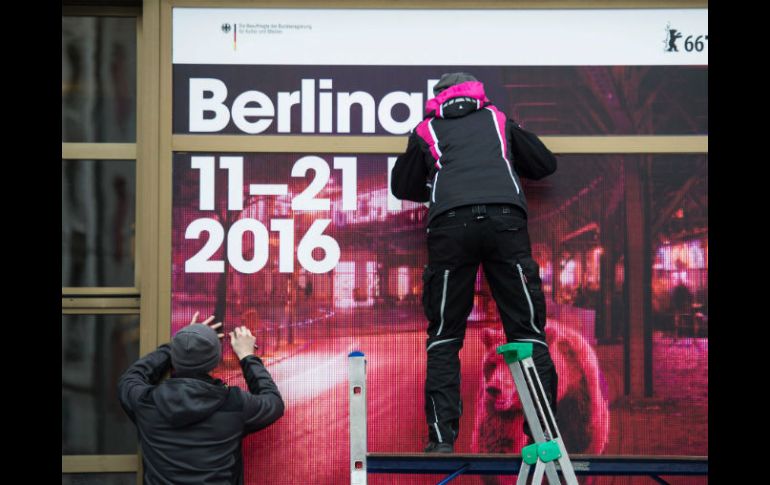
(190, 428)
(467, 152)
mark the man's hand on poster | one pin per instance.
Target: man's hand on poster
(243, 342)
(207, 322)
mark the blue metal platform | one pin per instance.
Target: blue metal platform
(501, 464)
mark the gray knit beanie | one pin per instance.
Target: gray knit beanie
(195, 349)
(450, 79)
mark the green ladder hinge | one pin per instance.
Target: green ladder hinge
(515, 351)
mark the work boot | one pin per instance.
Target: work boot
(434, 447)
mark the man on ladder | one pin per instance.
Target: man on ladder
(465, 158)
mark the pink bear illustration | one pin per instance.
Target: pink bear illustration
(582, 410)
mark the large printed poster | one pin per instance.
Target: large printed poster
(316, 257)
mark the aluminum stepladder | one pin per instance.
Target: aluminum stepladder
(548, 447)
(357, 393)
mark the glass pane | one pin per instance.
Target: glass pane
(96, 350)
(98, 479)
(98, 79)
(98, 222)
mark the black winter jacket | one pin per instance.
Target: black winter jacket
(467, 152)
(190, 428)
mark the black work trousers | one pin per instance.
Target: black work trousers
(495, 236)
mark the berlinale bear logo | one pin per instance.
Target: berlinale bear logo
(671, 36)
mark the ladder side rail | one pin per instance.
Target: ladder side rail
(357, 417)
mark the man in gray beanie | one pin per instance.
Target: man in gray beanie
(191, 425)
(465, 158)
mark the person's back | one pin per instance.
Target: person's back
(191, 425)
(473, 169)
(474, 154)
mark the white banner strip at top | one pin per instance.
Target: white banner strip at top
(440, 37)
